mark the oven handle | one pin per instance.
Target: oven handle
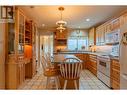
(102, 63)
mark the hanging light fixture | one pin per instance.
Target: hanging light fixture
(61, 23)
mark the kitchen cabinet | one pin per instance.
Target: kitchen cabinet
(34, 48)
(61, 35)
(115, 24)
(100, 35)
(82, 57)
(123, 19)
(18, 49)
(30, 48)
(15, 75)
(103, 31)
(28, 32)
(92, 64)
(97, 36)
(60, 38)
(108, 27)
(91, 37)
(115, 74)
(15, 67)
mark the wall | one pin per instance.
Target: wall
(46, 44)
(2, 56)
(77, 32)
(104, 49)
(72, 33)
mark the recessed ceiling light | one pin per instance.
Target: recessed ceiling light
(87, 19)
(78, 26)
(43, 25)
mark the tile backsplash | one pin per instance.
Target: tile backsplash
(108, 49)
(105, 49)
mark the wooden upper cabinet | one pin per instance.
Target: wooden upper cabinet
(97, 36)
(28, 32)
(108, 27)
(92, 40)
(123, 19)
(20, 31)
(115, 24)
(61, 35)
(100, 35)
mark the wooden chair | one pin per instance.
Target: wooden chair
(48, 58)
(49, 72)
(70, 70)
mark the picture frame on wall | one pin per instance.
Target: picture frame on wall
(7, 12)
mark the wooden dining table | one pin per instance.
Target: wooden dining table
(57, 59)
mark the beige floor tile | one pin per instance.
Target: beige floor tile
(87, 82)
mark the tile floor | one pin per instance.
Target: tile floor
(87, 82)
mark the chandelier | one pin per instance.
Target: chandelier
(61, 23)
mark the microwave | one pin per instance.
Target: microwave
(113, 37)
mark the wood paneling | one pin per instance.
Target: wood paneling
(92, 37)
(2, 56)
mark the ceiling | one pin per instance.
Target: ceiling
(74, 15)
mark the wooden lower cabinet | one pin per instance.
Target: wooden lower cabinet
(82, 57)
(30, 68)
(115, 74)
(15, 75)
(92, 64)
(89, 62)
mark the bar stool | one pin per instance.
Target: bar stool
(70, 70)
(49, 72)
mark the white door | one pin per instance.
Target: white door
(2, 56)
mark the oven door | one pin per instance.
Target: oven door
(104, 67)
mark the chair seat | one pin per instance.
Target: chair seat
(70, 78)
(50, 72)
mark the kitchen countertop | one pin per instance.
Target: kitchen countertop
(86, 52)
(59, 58)
(114, 58)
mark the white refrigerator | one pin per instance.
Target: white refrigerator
(123, 57)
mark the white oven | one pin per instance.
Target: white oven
(103, 69)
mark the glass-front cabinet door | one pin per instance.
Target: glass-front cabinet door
(11, 38)
(16, 33)
(21, 22)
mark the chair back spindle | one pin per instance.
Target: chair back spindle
(71, 68)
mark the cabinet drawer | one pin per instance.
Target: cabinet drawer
(115, 65)
(115, 74)
(94, 64)
(115, 84)
(94, 61)
(93, 70)
(92, 56)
